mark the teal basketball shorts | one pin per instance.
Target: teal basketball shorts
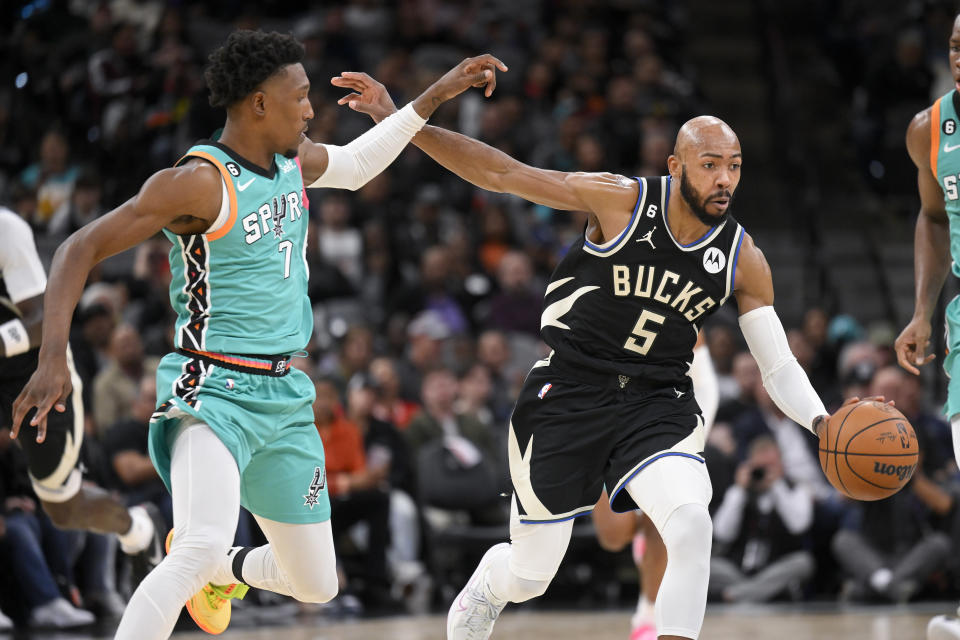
(266, 422)
(951, 364)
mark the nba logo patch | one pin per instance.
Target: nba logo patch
(544, 389)
(230, 384)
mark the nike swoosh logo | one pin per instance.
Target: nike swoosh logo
(947, 147)
(241, 187)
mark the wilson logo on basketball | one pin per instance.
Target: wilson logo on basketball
(902, 471)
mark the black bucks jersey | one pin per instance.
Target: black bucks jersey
(633, 305)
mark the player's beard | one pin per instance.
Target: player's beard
(698, 204)
(290, 154)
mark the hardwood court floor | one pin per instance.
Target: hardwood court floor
(876, 623)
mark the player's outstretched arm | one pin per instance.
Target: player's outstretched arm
(599, 193)
(783, 377)
(161, 202)
(353, 165)
(931, 249)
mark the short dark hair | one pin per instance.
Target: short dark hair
(245, 60)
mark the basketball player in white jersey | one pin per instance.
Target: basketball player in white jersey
(54, 472)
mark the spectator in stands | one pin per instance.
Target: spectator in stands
(84, 205)
(516, 307)
(890, 547)
(28, 533)
(390, 406)
(439, 419)
(51, 178)
(116, 386)
(386, 448)
(759, 529)
(125, 447)
(493, 351)
(356, 493)
(427, 333)
(353, 356)
(746, 377)
(856, 364)
(906, 391)
(340, 244)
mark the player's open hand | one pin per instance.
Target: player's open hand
(48, 388)
(911, 345)
(369, 96)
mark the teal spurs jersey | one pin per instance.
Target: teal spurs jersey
(945, 163)
(241, 288)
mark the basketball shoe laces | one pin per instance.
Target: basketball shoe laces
(482, 610)
(217, 595)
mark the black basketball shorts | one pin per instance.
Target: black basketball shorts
(574, 432)
(53, 462)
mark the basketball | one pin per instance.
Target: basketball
(868, 450)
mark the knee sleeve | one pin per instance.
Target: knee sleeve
(687, 535)
(314, 584)
(512, 588)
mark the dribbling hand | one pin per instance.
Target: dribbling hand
(48, 388)
(911, 345)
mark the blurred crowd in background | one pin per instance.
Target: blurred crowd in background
(427, 292)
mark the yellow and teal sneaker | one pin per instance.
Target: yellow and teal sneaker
(210, 607)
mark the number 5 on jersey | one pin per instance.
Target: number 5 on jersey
(641, 339)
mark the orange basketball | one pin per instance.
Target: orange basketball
(868, 450)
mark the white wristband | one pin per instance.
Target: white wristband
(14, 337)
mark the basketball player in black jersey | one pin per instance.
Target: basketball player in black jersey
(53, 459)
(613, 406)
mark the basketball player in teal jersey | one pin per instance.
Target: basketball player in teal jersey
(933, 142)
(234, 423)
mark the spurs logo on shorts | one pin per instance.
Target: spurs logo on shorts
(316, 486)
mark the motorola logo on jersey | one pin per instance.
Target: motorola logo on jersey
(664, 287)
(270, 216)
(713, 260)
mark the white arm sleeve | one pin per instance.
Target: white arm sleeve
(783, 378)
(352, 166)
(20, 264)
(705, 386)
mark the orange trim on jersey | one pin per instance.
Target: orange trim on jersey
(935, 137)
(231, 192)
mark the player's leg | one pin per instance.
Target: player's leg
(674, 491)
(71, 504)
(509, 572)
(652, 565)
(205, 486)
(614, 530)
(299, 561)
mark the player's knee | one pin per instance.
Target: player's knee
(522, 589)
(688, 532)
(318, 586)
(200, 551)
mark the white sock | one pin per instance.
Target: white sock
(644, 613)
(880, 579)
(141, 531)
(225, 573)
